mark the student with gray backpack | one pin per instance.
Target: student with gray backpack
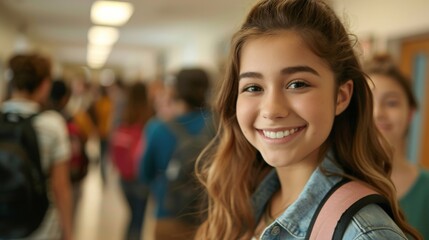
(168, 161)
(29, 174)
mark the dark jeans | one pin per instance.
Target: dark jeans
(103, 159)
(136, 196)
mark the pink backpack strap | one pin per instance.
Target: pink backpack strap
(338, 208)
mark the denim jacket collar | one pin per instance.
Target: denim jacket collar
(297, 217)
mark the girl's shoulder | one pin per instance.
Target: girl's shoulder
(157, 130)
(372, 222)
(51, 115)
(50, 120)
(424, 175)
(421, 183)
(156, 125)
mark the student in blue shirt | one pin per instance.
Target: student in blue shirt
(190, 94)
(295, 118)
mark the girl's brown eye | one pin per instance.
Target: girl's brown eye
(392, 103)
(252, 88)
(297, 84)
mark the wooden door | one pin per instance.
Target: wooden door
(414, 62)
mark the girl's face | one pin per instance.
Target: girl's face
(287, 99)
(392, 113)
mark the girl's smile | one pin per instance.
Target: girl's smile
(281, 135)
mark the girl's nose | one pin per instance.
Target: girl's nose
(274, 106)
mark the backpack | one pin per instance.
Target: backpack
(23, 195)
(339, 206)
(184, 196)
(125, 149)
(79, 160)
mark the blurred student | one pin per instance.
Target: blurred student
(394, 107)
(79, 161)
(161, 99)
(101, 111)
(189, 102)
(81, 98)
(117, 92)
(126, 146)
(31, 84)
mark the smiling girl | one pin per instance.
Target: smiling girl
(295, 119)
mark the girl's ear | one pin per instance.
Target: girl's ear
(344, 95)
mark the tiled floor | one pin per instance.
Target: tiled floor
(102, 213)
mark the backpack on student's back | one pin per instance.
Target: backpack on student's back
(184, 197)
(126, 144)
(23, 196)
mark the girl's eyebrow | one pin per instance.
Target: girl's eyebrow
(284, 71)
(391, 94)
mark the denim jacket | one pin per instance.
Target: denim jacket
(371, 222)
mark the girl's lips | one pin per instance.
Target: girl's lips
(383, 127)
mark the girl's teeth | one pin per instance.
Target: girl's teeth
(280, 134)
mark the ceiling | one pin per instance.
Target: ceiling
(161, 27)
(155, 26)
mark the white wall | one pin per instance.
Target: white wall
(7, 41)
(8, 33)
(200, 51)
(138, 65)
(384, 19)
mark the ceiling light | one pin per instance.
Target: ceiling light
(97, 55)
(111, 12)
(95, 65)
(103, 35)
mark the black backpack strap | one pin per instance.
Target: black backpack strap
(338, 207)
(32, 136)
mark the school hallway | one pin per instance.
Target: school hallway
(101, 213)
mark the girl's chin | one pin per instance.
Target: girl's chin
(276, 161)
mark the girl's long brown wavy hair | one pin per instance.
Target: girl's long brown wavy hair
(231, 170)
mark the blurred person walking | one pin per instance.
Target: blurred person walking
(81, 98)
(161, 99)
(79, 161)
(117, 93)
(31, 84)
(101, 112)
(190, 91)
(126, 146)
(394, 107)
